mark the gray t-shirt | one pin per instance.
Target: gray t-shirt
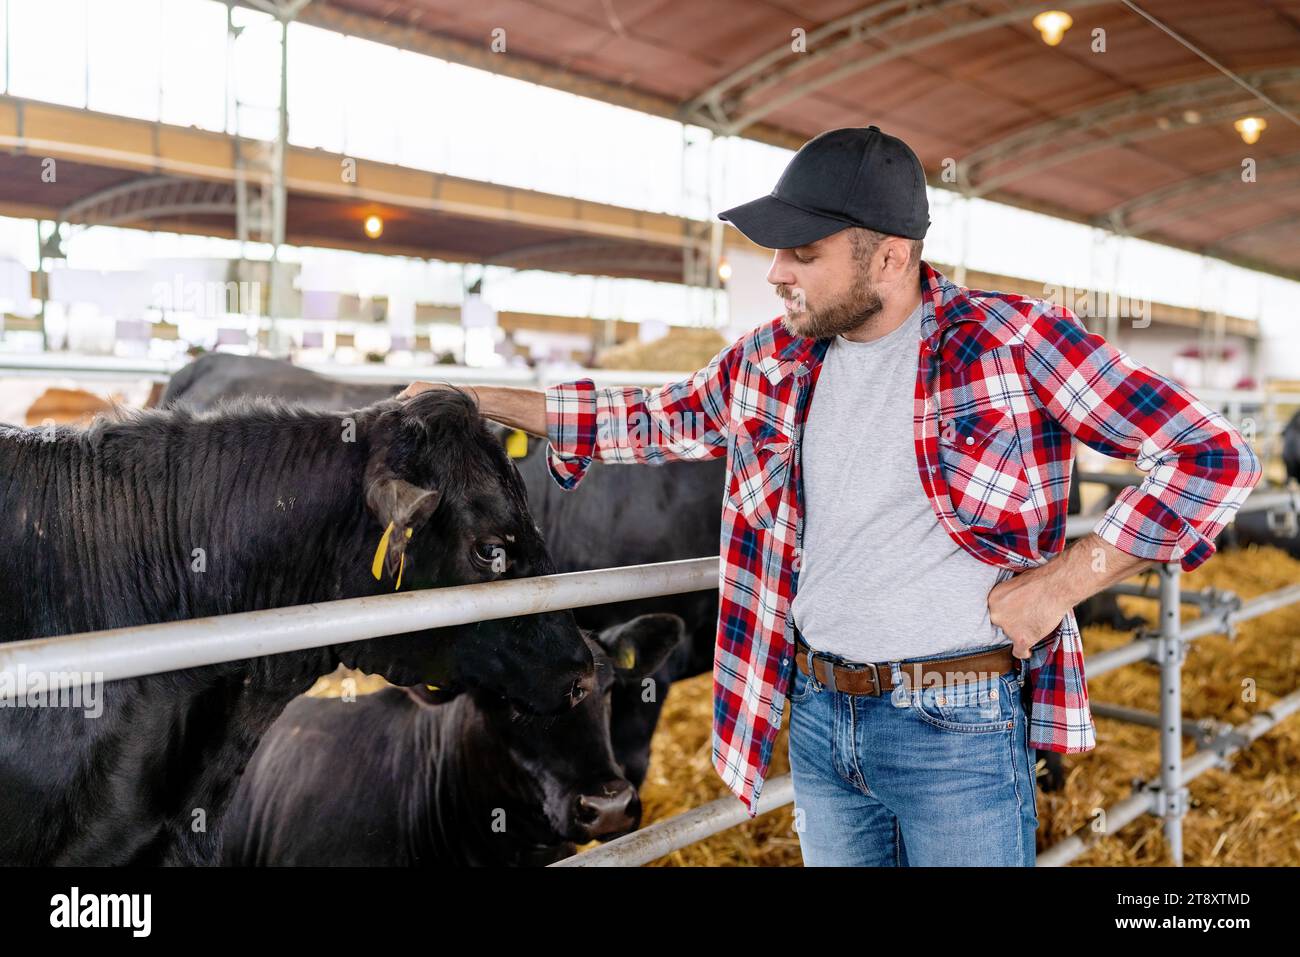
(880, 578)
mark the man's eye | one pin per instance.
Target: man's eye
(803, 260)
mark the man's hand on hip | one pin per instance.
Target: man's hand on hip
(1026, 609)
(1029, 606)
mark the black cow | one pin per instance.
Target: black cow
(404, 777)
(1260, 528)
(175, 515)
(217, 376)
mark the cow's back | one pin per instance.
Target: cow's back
(325, 786)
(216, 377)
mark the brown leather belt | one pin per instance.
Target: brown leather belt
(878, 678)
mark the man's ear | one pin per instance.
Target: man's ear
(405, 506)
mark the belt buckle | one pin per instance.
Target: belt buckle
(875, 678)
(813, 655)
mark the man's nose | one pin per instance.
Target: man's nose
(779, 272)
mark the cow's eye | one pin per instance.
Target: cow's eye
(491, 554)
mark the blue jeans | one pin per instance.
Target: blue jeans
(931, 776)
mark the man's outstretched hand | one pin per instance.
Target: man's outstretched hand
(518, 408)
(415, 388)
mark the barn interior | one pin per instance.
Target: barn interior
(525, 192)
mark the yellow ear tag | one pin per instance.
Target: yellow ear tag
(626, 657)
(401, 566)
(517, 444)
(377, 566)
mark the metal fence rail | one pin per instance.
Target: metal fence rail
(171, 646)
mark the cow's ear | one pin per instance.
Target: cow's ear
(640, 647)
(402, 505)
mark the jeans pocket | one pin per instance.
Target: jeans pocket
(972, 707)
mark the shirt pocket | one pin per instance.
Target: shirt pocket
(979, 452)
(761, 459)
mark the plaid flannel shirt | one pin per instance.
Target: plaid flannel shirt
(1003, 383)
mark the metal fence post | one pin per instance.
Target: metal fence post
(1171, 800)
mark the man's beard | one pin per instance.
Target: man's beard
(859, 305)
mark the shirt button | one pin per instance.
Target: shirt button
(970, 440)
(941, 699)
(993, 695)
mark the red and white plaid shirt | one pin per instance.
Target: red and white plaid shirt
(1003, 382)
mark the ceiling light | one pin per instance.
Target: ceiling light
(1052, 24)
(1250, 128)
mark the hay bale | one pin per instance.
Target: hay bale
(682, 350)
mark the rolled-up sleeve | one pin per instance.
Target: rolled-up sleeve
(1198, 467)
(570, 430)
(682, 420)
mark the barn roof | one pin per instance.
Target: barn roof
(1139, 136)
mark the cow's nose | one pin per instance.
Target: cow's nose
(581, 688)
(613, 809)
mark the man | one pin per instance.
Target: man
(893, 555)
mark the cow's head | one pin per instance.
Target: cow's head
(565, 784)
(448, 508)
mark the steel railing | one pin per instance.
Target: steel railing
(170, 646)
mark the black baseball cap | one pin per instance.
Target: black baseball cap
(840, 178)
